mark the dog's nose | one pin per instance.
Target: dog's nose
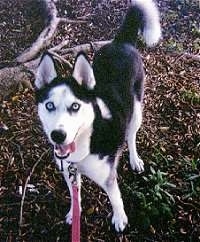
(58, 136)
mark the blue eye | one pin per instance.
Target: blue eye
(75, 107)
(50, 106)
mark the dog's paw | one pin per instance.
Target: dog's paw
(119, 220)
(68, 217)
(137, 165)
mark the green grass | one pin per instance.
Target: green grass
(173, 45)
(191, 96)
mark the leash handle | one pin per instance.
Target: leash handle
(76, 215)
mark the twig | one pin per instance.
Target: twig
(184, 55)
(20, 152)
(85, 47)
(3, 127)
(25, 188)
(60, 58)
(58, 47)
(189, 204)
(191, 56)
(72, 21)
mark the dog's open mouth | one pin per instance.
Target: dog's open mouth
(63, 151)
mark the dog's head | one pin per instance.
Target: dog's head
(65, 104)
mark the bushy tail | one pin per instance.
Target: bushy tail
(142, 15)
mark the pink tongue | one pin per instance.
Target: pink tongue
(73, 147)
(65, 149)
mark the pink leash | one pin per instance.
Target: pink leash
(76, 215)
(75, 233)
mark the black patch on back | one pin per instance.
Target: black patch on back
(107, 135)
(119, 76)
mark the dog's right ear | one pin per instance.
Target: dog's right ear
(46, 71)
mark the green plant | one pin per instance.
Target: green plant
(194, 187)
(151, 202)
(196, 29)
(173, 44)
(159, 184)
(194, 164)
(191, 96)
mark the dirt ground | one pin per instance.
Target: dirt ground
(163, 203)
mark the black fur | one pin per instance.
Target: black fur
(119, 75)
(80, 91)
(133, 21)
(107, 135)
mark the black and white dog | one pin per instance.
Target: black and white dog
(88, 116)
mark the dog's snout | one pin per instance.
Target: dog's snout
(58, 136)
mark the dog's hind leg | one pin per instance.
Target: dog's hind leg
(105, 175)
(69, 215)
(134, 125)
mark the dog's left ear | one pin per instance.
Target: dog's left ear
(83, 72)
(46, 71)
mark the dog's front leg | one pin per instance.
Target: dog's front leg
(101, 172)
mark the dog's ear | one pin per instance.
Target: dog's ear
(46, 71)
(83, 72)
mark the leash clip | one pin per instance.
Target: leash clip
(72, 169)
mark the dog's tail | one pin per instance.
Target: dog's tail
(142, 15)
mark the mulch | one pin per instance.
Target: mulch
(169, 139)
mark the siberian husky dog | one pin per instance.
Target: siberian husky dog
(88, 116)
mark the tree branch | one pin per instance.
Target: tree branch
(185, 55)
(45, 36)
(72, 21)
(92, 46)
